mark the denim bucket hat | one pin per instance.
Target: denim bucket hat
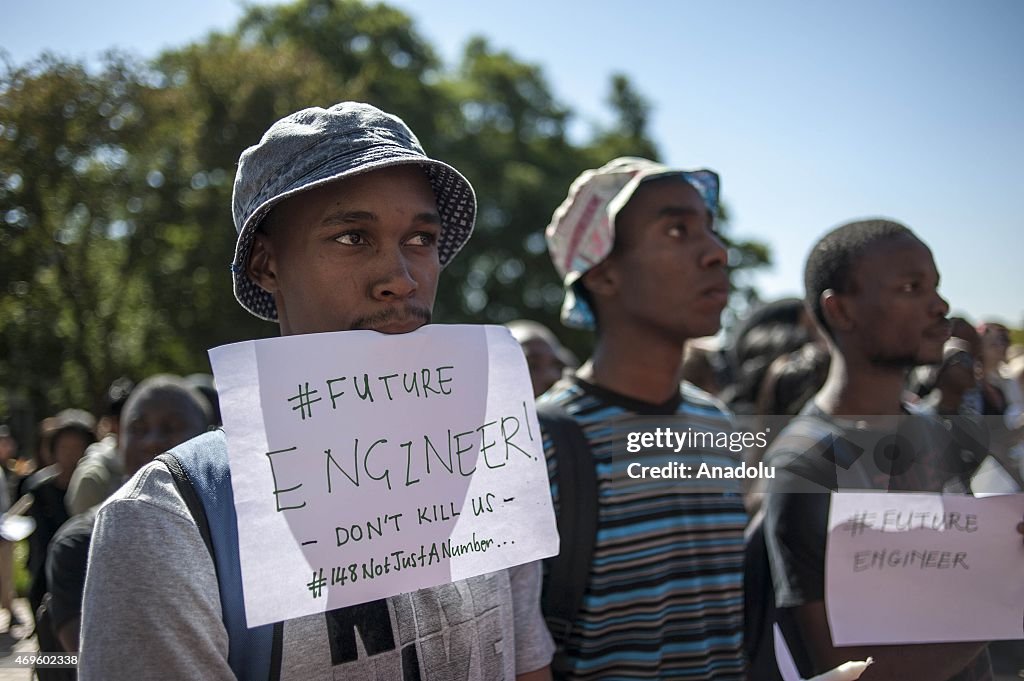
(316, 146)
(581, 233)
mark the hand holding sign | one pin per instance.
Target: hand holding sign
(367, 465)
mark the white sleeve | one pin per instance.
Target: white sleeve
(151, 608)
(534, 645)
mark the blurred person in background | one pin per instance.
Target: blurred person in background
(161, 413)
(8, 453)
(8, 448)
(205, 384)
(1000, 395)
(947, 383)
(100, 471)
(44, 452)
(945, 387)
(8, 461)
(792, 380)
(702, 365)
(1015, 365)
(546, 357)
(73, 432)
(770, 331)
(17, 463)
(921, 380)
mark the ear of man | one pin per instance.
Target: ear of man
(262, 265)
(836, 311)
(602, 280)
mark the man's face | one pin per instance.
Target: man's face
(156, 422)
(668, 262)
(360, 253)
(899, 316)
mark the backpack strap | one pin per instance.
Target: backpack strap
(576, 478)
(200, 471)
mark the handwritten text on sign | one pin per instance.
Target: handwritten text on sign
(366, 465)
(924, 568)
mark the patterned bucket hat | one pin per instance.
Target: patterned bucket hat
(316, 146)
(581, 233)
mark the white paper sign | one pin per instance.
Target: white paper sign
(366, 465)
(924, 568)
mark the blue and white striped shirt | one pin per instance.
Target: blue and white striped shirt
(664, 598)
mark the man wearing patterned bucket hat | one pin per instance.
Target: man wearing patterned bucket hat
(660, 593)
(343, 223)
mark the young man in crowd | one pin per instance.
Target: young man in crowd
(873, 289)
(660, 594)
(343, 223)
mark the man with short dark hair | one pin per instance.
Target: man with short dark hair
(872, 287)
(343, 223)
(661, 596)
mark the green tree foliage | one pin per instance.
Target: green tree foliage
(115, 185)
(73, 195)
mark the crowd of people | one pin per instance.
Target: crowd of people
(79, 462)
(343, 222)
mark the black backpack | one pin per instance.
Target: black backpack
(569, 571)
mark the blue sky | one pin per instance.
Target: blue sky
(813, 113)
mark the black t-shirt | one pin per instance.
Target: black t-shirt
(815, 455)
(65, 566)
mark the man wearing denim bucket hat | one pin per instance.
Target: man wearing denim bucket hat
(661, 595)
(343, 223)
